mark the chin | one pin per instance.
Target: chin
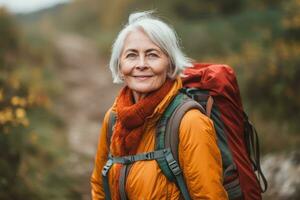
(143, 88)
(143, 91)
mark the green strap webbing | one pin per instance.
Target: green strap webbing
(126, 160)
(174, 167)
(105, 171)
(153, 155)
(160, 136)
(167, 137)
(111, 123)
(172, 138)
(122, 182)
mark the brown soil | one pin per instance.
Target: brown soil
(88, 93)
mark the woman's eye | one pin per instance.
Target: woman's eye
(131, 55)
(152, 55)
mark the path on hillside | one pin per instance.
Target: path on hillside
(88, 93)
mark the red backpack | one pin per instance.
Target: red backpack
(213, 89)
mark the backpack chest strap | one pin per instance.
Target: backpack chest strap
(125, 160)
(164, 154)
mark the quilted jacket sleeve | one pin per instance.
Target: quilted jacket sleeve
(200, 157)
(100, 160)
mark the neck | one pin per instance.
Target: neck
(138, 96)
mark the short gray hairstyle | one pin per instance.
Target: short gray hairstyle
(160, 33)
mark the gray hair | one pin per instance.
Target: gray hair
(160, 33)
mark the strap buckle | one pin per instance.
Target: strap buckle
(173, 165)
(149, 155)
(107, 166)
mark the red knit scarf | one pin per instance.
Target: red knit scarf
(129, 127)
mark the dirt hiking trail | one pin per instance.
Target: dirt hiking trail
(88, 93)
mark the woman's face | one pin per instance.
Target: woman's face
(143, 64)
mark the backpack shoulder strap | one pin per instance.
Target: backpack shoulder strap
(168, 139)
(168, 126)
(125, 168)
(109, 132)
(172, 134)
(111, 122)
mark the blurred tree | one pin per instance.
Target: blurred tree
(12, 106)
(9, 44)
(201, 9)
(276, 87)
(32, 148)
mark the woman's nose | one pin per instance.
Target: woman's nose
(142, 64)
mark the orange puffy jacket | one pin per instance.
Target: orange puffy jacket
(199, 158)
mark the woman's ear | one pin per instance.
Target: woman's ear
(120, 74)
(170, 69)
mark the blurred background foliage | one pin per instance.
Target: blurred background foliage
(32, 141)
(259, 38)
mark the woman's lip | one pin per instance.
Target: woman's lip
(142, 77)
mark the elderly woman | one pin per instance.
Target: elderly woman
(146, 57)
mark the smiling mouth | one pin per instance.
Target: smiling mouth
(142, 77)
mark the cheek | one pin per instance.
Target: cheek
(125, 69)
(162, 68)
